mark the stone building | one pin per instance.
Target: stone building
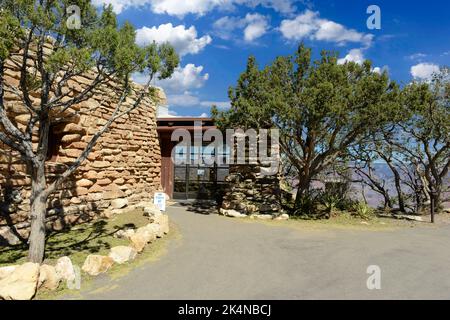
(123, 168)
(128, 165)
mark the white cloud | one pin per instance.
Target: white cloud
(257, 26)
(424, 71)
(310, 25)
(218, 104)
(190, 99)
(121, 5)
(377, 70)
(185, 78)
(254, 26)
(184, 40)
(181, 87)
(355, 55)
(417, 56)
(225, 26)
(199, 7)
(181, 8)
(186, 99)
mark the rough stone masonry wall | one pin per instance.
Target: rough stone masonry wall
(250, 192)
(123, 168)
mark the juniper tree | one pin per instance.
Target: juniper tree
(422, 137)
(100, 45)
(320, 107)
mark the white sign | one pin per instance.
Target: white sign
(159, 199)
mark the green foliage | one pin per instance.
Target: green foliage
(308, 204)
(362, 210)
(100, 42)
(9, 31)
(321, 108)
(330, 201)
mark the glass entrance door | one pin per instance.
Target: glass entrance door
(194, 181)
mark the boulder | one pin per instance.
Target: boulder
(262, 216)
(21, 284)
(231, 213)
(138, 241)
(283, 216)
(122, 254)
(8, 236)
(48, 277)
(96, 264)
(155, 229)
(409, 217)
(124, 233)
(64, 269)
(119, 203)
(148, 233)
(163, 221)
(6, 271)
(152, 211)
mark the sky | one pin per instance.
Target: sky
(215, 37)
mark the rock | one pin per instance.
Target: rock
(409, 217)
(122, 254)
(163, 221)
(113, 192)
(283, 216)
(149, 233)
(48, 277)
(69, 138)
(251, 208)
(119, 203)
(231, 213)
(84, 183)
(155, 229)
(7, 236)
(262, 216)
(446, 210)
(21, 284)
(65, 270)
(6, 271)
(138, 241)
(101, 164)
(124, 233)
(152, 211)
(96, 264)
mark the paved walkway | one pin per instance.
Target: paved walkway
(223, 258)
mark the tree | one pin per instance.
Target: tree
(414, 144)
(363, 166)
(100, 45)
(320, 107)
(423, 136)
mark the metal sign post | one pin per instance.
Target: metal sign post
(432, 204)
(159, 200)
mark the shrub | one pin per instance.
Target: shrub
(308, 205)
(330, 201)
(362, 210)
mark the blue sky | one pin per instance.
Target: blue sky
(215, 37)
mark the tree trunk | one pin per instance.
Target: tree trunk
(303, 187)
(398, 187)
(437, 198)
(387, 201)
(38, 213)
